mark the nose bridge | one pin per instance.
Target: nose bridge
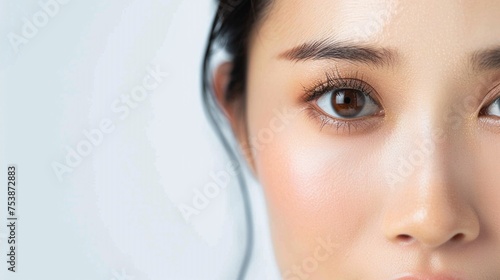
(432, 128)
(419, 148)
(429, 203)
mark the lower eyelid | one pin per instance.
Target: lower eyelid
(490, 123)
(339, 126)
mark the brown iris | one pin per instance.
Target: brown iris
(348, 103)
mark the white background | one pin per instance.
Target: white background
(115, 215)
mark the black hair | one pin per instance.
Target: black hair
(231, 29)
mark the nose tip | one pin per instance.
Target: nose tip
(434, 234)
(432, 223)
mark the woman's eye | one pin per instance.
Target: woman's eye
(348, 104)
(493, 109)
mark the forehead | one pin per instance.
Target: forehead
(424, 27)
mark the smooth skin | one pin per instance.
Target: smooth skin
(410, 189)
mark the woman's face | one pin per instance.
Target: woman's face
(374, 129)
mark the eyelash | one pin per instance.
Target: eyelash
(491, 122)
(334, 81)
(492, 96)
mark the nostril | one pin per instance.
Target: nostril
(458, 237)
(404, 238)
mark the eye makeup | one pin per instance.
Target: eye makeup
(489, 115)
(345, 103)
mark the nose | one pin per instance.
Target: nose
(432, 220)
(433, 207)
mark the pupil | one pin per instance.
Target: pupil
(348, 103)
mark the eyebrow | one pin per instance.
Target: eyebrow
(486, 59)
(335, 50)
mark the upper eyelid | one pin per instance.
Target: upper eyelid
(331, 83)
(494, 89)
(490, 103)
(491, 96)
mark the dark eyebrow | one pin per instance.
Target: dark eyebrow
(486, 59)
(328, 49)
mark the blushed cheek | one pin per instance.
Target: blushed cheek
(314, 189)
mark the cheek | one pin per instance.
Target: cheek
(487, 168)
(315, 187)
